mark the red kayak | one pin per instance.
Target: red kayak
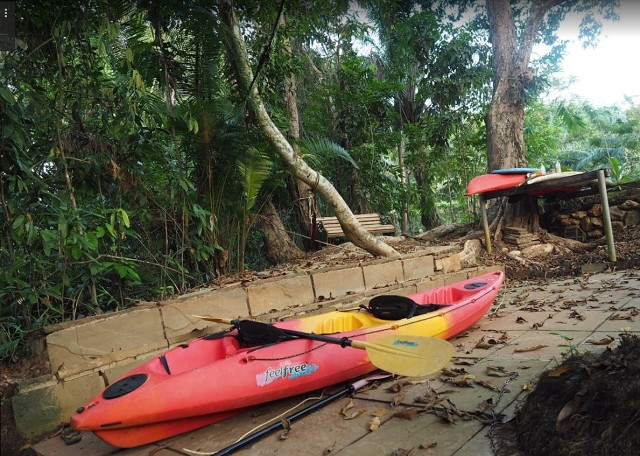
(490, 182)
(214, 377)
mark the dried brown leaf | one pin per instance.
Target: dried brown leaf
(463, 362)
(463, 383)
(444, 414)
(374, 424)
(604, 341)
(570, 408)
(329, 450)
(286, 424)
(347, 407)
(529, 349)
(540, 324)
(482, 344)
(577, 316)
(409, 414)
(558, 371)
(398, 398)
(452, 372)
(497, 371)
(485, 406)
(352, 415)
(426, 445)
(430, 398)
(487, 384)
(398, 385)
(403, 452)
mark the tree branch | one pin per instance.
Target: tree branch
(351, 227)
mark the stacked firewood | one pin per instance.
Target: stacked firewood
(520, 237)
(589, 223)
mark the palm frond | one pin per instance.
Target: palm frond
(570, 118)
(318, 150)
(254, 167)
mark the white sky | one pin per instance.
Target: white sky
(605, 74)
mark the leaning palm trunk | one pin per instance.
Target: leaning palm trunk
(298, 167)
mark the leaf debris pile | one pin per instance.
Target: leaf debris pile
(589, 405)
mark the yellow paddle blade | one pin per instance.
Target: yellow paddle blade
(413, 356)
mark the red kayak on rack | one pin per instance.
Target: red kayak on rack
(217, 376)
(490, 182)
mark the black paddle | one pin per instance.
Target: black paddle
(349, 389)
(413, 356)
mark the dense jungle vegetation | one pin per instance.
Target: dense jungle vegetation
(132, 169)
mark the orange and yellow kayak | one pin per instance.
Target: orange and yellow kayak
(214, 377)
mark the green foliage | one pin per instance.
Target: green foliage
(129, 161)
(583, 138)
(318, 151)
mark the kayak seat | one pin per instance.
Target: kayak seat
(341, 322)
(391, 307)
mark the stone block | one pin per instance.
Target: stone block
(177, 314)
(115, 371)
(382, 274)
(629, 205)
(279, 293)
(454, 278)
(448, 264)
(470, 253)
(486, 270)
(593, 268)
(418, 267)
(337, 283)
(616, 213)
(595, 211)
(40, 408)
(632, 217)
(434, 282)
(538, 250)
(120, 335)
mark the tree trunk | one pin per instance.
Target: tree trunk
(280, 246)
(505, 116)
(428, 212)
(404, 223)
(352, 229)
(300, 192)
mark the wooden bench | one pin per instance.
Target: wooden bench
(329, 227)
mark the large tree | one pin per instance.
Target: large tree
(436, 68)
(514, 28)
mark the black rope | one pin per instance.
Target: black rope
(267, 49)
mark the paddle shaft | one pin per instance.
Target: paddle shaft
(411, 356)
(346, 342)
(342, 341)
(305, 411)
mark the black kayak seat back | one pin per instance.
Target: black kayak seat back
(392, 307)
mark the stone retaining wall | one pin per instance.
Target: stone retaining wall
(582, 219)
(587, 224)
(89, 354)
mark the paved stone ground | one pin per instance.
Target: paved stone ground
(530, 328)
